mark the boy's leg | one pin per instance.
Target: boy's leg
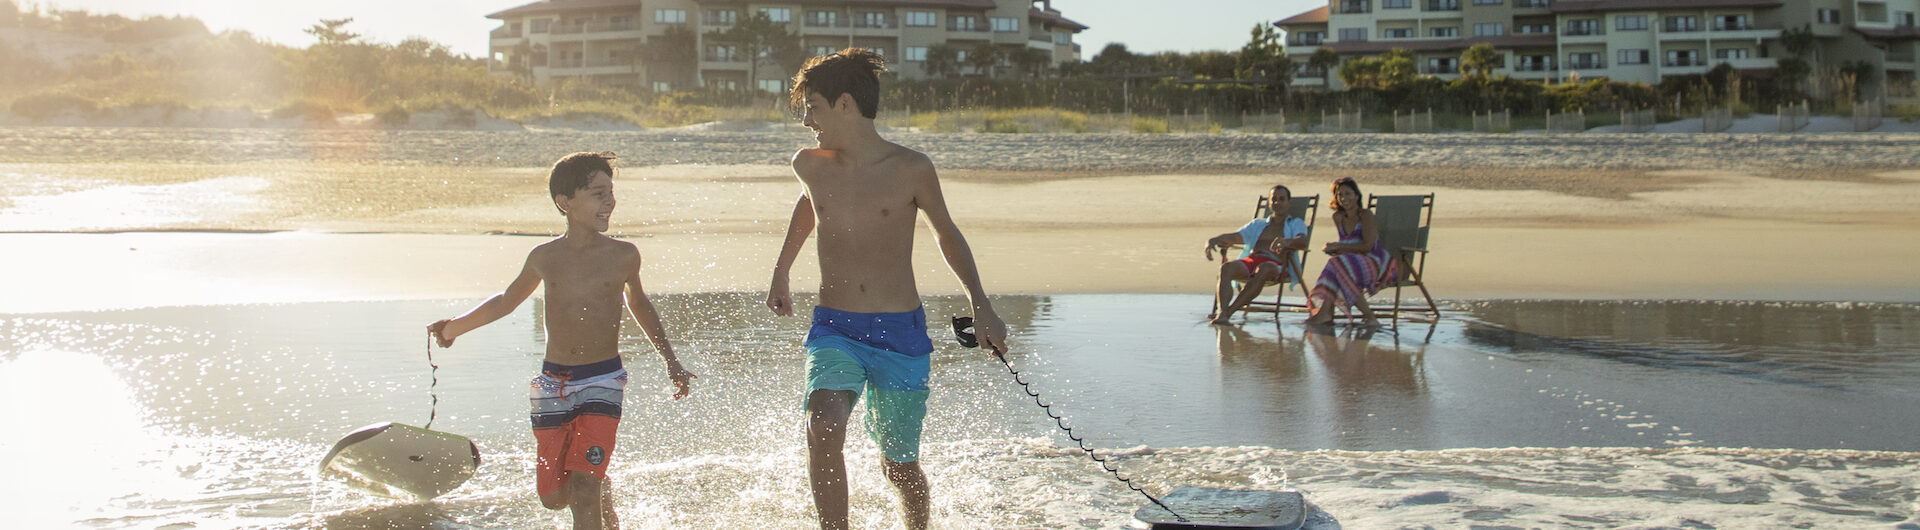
(609, 520)
(915, 493)
(585, 492)
(827, 412)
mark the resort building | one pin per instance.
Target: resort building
(677, 44)
(1624, 40)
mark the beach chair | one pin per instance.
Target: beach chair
(1405, 221)
(1307, 209)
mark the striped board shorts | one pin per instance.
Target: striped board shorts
(576, 413)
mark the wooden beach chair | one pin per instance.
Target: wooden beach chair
(1307, 209)
(1405, 221)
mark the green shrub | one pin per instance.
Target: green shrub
(1143, 124)
(395, 115)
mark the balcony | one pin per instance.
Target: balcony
(505, 33)
(1531, 4)
(1351, 7)
(1306, 41)
(1696, 65)
(1586, 65)
(885, 22)
(1443, 5)
(1533, 67)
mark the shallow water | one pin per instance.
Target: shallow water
(1585, 414)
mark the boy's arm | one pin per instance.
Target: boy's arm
(643, 312)
(499, 305)
(779, 297)
(959, 257)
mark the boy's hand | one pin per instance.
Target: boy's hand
(436, 330)
(682, 380)
(990, 330)
(778, 298)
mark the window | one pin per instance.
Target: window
(1443, 5)
(920, 19)
(1630, 22)
(818, 50)
(1006, 25)
(1489, 2)
(1396, 33)
(1353, 34)
(662, 86)
(1529, 3)
(1829, 16)
(1443, 65)
(916, 54)
(669, 16)
(880, 51)
(1731, 53)
(620, 23)
(1683, 58)
(960, 56)
(725, 53)
(1903, 19)
(772, 85)
(1309, 38)
(1577, 61)
(722, 17)
(1489, 29)
(1583, 27)
(1632, 56)
(964, 23)
(538, 25)
(871, 19)
(1396, 4)
(779, 15)
(1355, 6)
(1443, 32)
(1534, 29)
(823, 19)
(1731, 23)
(1062, 37)
(1681, 24)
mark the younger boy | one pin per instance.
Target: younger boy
(577, 397)
(1271, 254)
(869, 331)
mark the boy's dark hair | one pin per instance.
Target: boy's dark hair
(571, 172)
(850, 71)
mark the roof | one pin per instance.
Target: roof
(1054, 18)
(1381, 46)
(964, 4)
(1899, 33)
(551, 6)
(1316, 15)
(1642, 5)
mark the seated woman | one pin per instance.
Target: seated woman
(1269, 250)
(1357, 267)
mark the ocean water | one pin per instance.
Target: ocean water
(1504, 414)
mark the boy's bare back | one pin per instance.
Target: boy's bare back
(585, 283)
(866, 213)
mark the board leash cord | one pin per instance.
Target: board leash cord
(1062, 423)
(434, 409)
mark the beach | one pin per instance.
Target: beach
(1641, 331)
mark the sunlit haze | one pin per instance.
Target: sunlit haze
(1142, 25)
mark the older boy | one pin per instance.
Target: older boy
(869, 330)
(1270, 254)
(577, 396)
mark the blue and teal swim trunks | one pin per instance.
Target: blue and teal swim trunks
(887, 355)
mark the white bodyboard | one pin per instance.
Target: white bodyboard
(400, 460)
(1224, 508)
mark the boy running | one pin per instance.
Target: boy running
(869, 331)
(577, 396)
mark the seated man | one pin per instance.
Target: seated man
(1265, 259)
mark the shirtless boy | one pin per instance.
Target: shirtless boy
(577, 396)
(869, 331)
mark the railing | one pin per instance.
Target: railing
(976, 28)
(1794, 116)
(1567, 123)
(1580, 31)
(1493, 122)
(1679, 28)
(1531, 3)
(1349, 7)
(1716, 120)
(1307, 41)
(1738, 26)
(1441, 69)
(1637, 121)
(833, 23)
(1684, 62)
(719, 58)
(1586, 65)
(1533, 67)
(1443, 5)
(504, 33)
(879, 23)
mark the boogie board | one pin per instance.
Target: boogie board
(396, 460)
(1224, 508)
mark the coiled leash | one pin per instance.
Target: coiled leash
(962, 334)
(434, 410)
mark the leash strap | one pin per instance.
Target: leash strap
(434, 411)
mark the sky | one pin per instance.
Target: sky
(1144, 26)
